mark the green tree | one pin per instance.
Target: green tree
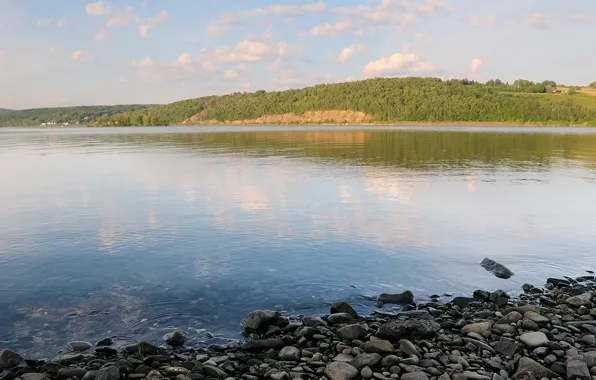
(593, 84)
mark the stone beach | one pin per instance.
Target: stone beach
(546, 333)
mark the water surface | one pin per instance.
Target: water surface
(133, 231)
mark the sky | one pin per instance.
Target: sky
(72, 52)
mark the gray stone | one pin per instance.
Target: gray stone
(258, 320)
(411, 329)
(529, 369)
(176, 338)
(405, 298)
(389, 361)
(535, 317)
(105, 342)
(506, 328)
(378, 346)
(78, 346)
(534, 339)
(339, 318)
(530, 325)
(263, 344)
(478, 328)
(578, 370)
(69, 358)
(414, 376)
(290, 354)
(173, 371)
(475, 376)
(408, 348)
(34, 376)
(346, 358)
(366, 373)
(352, 332)
(511, 317)
(340, 371)
(281, 375)
(479, 344)
(499, 298)
(343, 307)
(495, 268)
(580, 300)
(589, 358)
(154, 375)
(108, 373)
(314, 321)
(213, 371)
(65, 373)
(9, 359)
(366, 360)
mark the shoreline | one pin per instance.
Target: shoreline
(395, 124)
(547, 332)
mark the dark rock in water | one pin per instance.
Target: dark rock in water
(408, 329)
(352, 332)
(462, 301)
(578, 370)
(495, 268)
(108, 373)
(313, 321)
(405, 298)
(176, 338)
(481, 294)
(9, 359)
(105, 342)
(106, 350)
(257, 321)
(263, 344)
(499, 298)
(343, 307)
(69, 358)
(529, 369)
(340, 371)
(557, 282)
(531, 289)
(78, 346)
(145, 348)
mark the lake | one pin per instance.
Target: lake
(131, 232)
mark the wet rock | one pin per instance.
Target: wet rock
(529, 369)
(108, 373)
(415, 376)
(339, 318)
(534, 339)
(145, 348)
(578, 370)
(481, 294)
(405, 298)
(258, 320)
(343, 307)
(499, 298)
(213, 371)
(366, 360)
(579, 300)
(69, 358)
(352, 332)
(9, 359)
(495, 268)
(290, 353)
(462, 302)
(408, 348)
(378, 346)
(176, 338)
(105, 342)
(340, 371)
(78, 346)
(410, 329)
(507, 348)
(478, 328)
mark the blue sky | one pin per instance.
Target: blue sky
(71, 52)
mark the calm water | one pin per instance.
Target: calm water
(131, 232)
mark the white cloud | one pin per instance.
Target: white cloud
(80, 56)
(230, 74)
(539, 21)
(245, 51)
(151, 22)
(403, 63)
(143, 63)
(475, 64)
(330, 30)
(96, 9)
(100, 35)
(184, 59)
(349, 51)
(121, 18)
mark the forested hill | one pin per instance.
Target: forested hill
(81, 115)
(380, 100)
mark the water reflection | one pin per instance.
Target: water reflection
(141, 230)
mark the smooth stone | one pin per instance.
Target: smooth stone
(582, 310)
(511, 317)
(290, 354)
(258, 320)
(535, 317)
(506, 328)
(499, 270)
(78, 346)
(378, 346)
(314, 321)
(540, 351)
(528, 369)
(343, 307)
(154, 375)
(176, 371)
(281, 375)
(478, 328)
(578, 370)
(366, 360)
(34, 376)
(580, 300)
(589, 358)
(389, 361)
(69, 372)
(474, 376)
(176, 338)
(479, 344)
(530, 325)
(108, 373)
(351, 332)
(346, 358)
(69, 358)
(410, 329)
(405, 298)
(9, 359)
(534, 339)
(339, 318)
(408, 348)
(340, 371)
(213, 371)
(366, 373)
(415, 376)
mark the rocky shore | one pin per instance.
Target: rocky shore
(546, 333)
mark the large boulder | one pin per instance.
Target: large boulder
(405, 298)
(410, 329)
(495, 268)
(257, 321)
(352, 332)
(340, 371)
(9, 359)
(343, 307)
(529, 369)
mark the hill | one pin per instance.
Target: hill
(378, 101)
(4, 110)
(61, 115)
